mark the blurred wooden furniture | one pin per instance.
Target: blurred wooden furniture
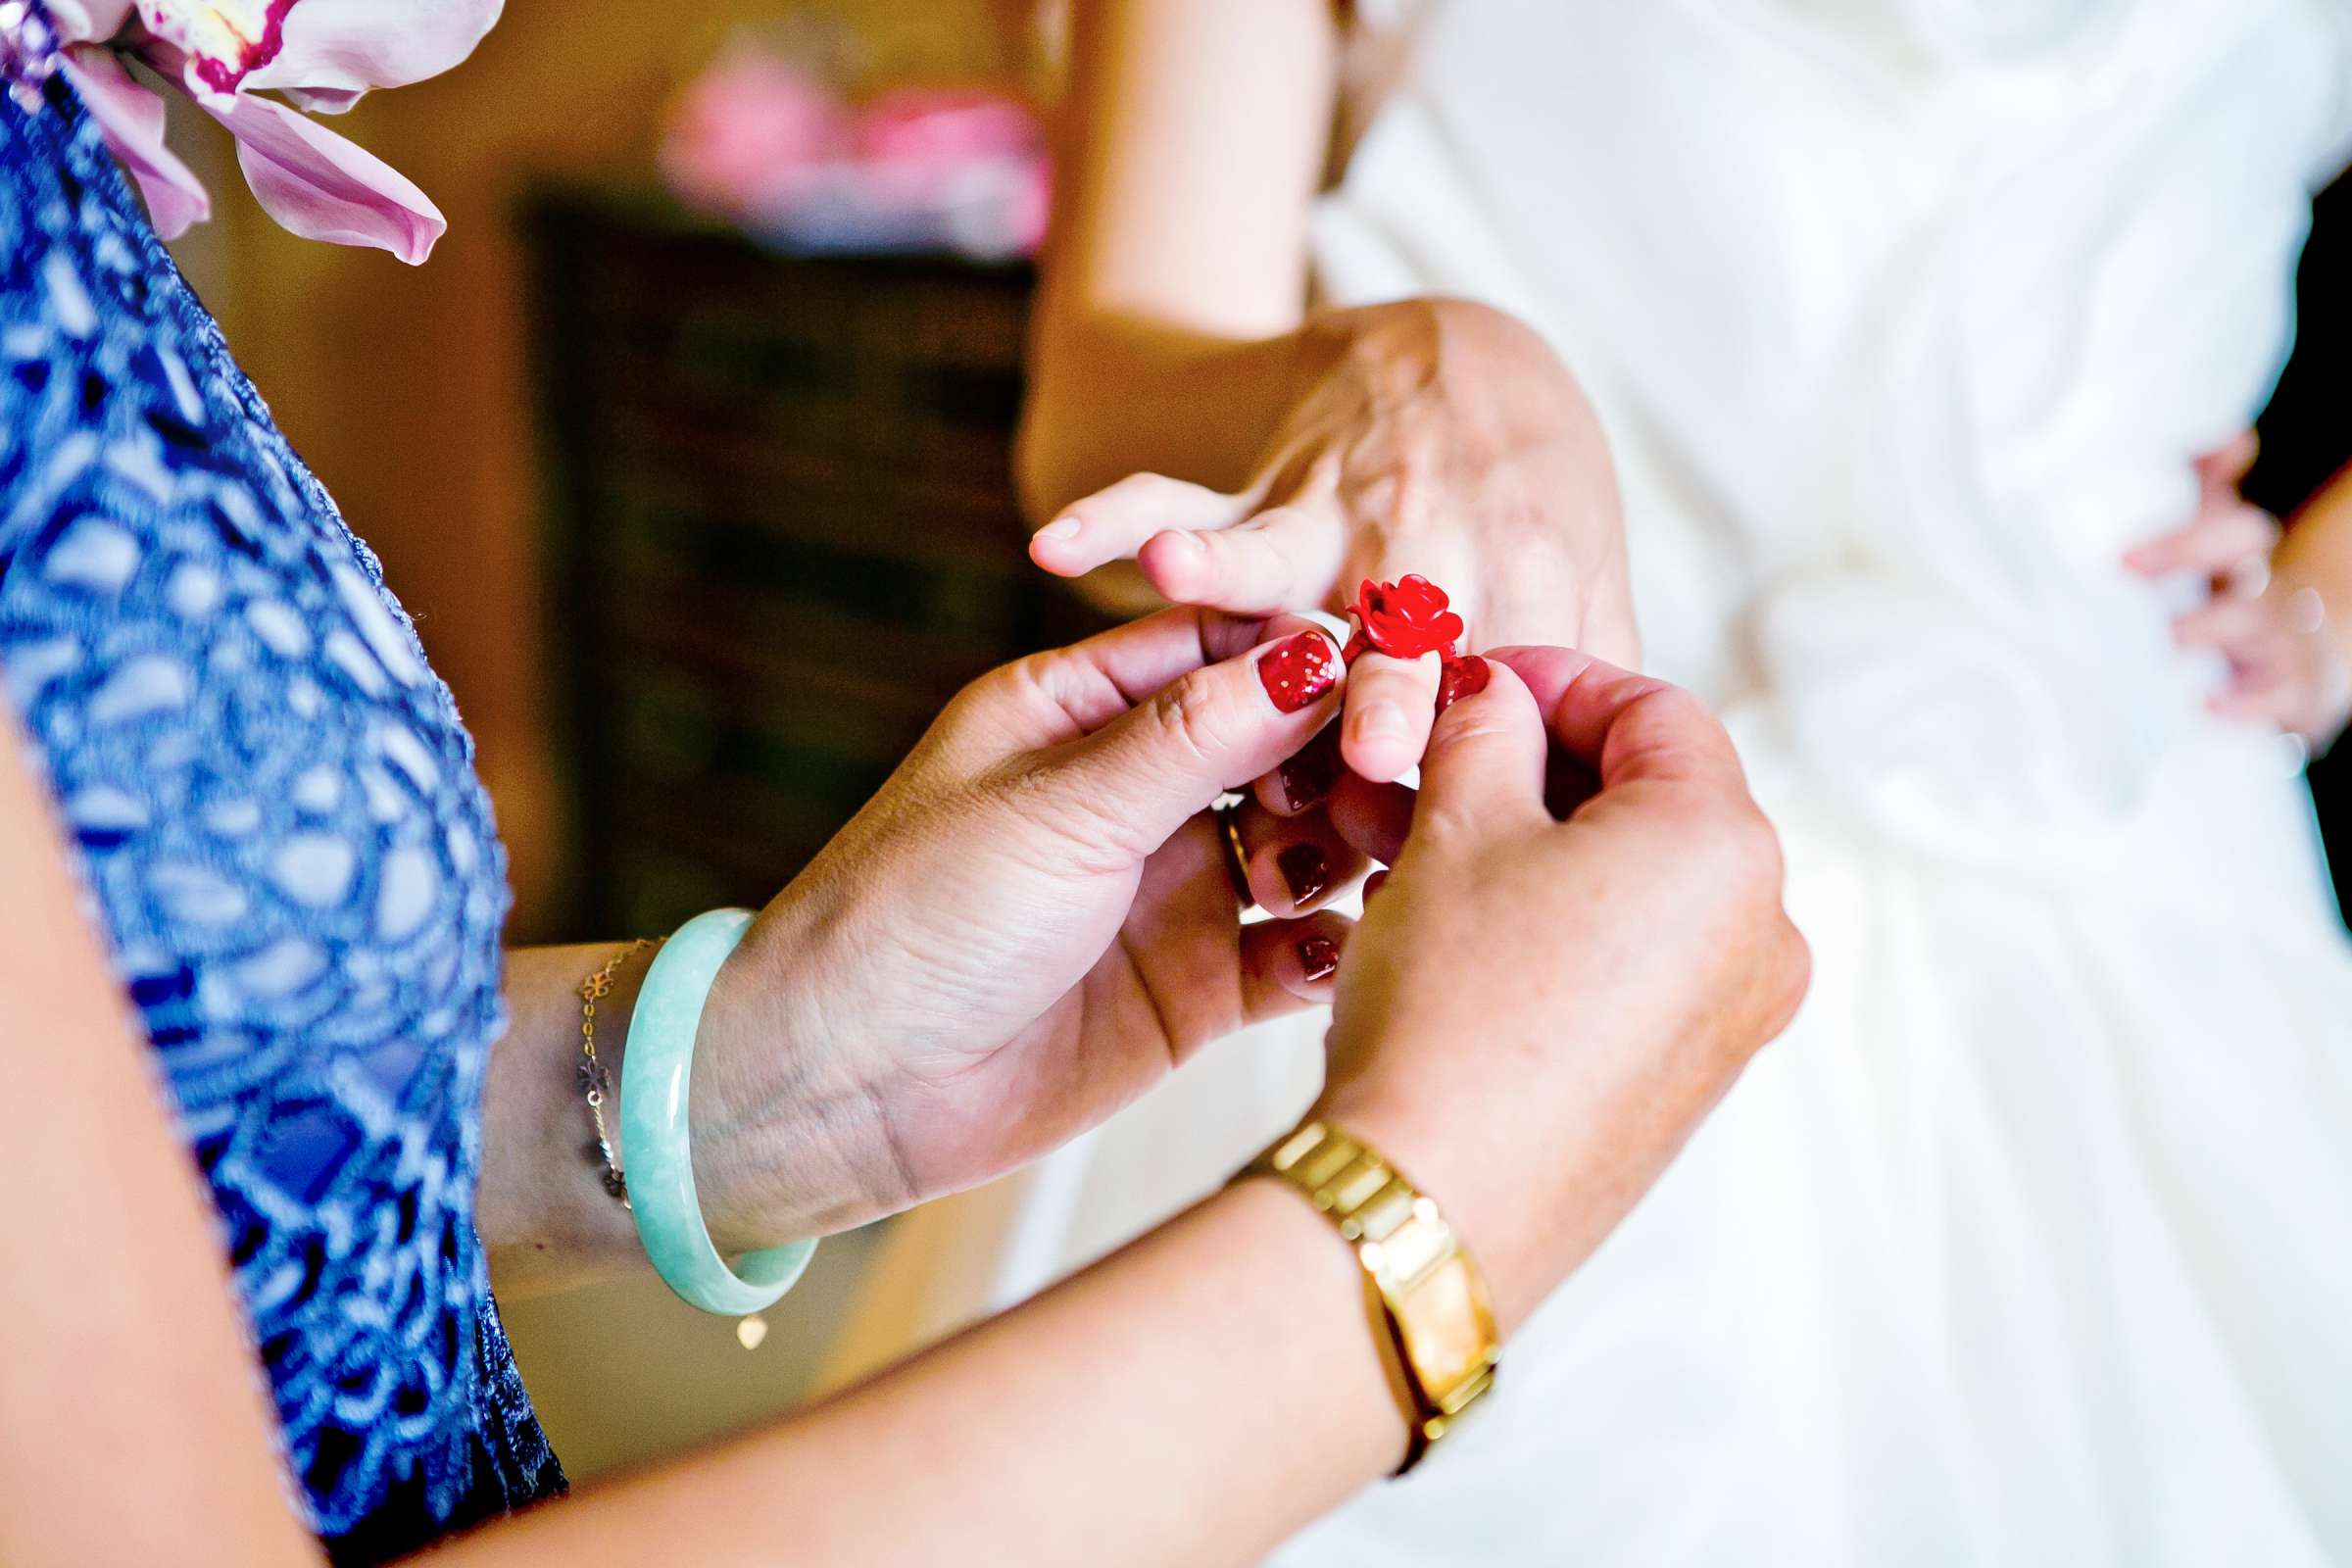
(781, 533)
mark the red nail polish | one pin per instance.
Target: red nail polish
(1319, 956)
(1305, 871)
(1466, 677)
(1310, 775)
(1298, 671)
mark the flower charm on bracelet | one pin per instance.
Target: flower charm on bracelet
(1408, 618)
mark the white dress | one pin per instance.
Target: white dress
(2032, 1242)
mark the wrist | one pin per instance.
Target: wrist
(1433, 1151)
(784, 1131)
(1354, 1412)
(1431, 1311)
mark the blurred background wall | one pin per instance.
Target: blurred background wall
(406, 389)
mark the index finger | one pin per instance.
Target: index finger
(1625, 726)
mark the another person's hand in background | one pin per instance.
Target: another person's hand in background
(1030, 924)
(1432, 437)
(1579, 946)
(2270, 609)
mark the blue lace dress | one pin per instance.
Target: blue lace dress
(276, 815)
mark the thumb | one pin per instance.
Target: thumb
(1486, 756)
(1206, 732)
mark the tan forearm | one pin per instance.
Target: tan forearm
(1192, 139)
(1193, 1400)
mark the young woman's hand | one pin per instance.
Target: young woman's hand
(1430, 436)
(1030, 924)
(2290, 661)
(1581, 945)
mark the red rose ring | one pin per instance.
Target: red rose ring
(1408, 618)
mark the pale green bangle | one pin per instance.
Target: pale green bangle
(654, 1077)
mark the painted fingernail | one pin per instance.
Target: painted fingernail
(1466, 677)
(1309, 776)
(1305, 871)
(1298, 671)
(1380, 721)
(1060, 529)
(1319, 956)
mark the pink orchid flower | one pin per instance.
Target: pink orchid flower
(320, 55)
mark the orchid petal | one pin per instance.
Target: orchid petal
(216, 42)
(332, 51)
(321, 100)
(321, 186)
(89, 21)
(132, 118)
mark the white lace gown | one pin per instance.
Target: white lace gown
(2032, 1242)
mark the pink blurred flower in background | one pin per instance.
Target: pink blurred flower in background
(321, 55)
(763, 144)
(962, 151)
(749, 131)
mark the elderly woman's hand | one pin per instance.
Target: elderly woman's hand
(1430, 436)
(1581, 945)
(1030, 924)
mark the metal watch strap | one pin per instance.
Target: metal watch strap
(1432, 1297)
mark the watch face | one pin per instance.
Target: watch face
(1446, 1328)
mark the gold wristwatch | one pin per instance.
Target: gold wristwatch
(1439, 1342)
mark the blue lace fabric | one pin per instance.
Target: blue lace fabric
(281, 832)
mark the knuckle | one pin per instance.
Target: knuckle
(1787, 977)
(1686, 711)
(1133, 502)
(1449, 824)
(1794, 967)
(988, 692)
(1036, 679)
(1135, 488)
(1191, 717)
(1471, 726)
(1742, 854)
(1051, 688)
(1254, 551)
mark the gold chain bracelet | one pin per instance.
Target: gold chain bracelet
(595, 1080)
